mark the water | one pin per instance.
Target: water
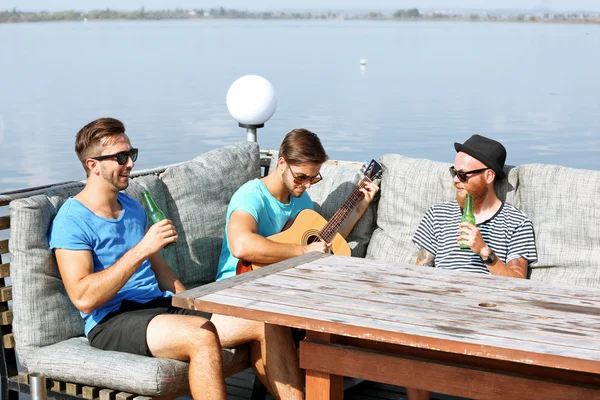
(426, 85)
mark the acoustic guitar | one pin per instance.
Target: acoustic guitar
(309, 227)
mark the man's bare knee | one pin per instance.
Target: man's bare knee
(180, 337)
(202, 333)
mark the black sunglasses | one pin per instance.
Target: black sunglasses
(121, 156)
(302, 179)
(462, 176)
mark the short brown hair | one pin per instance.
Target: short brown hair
(302, 146)
(94, 135)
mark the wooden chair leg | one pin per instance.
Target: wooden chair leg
(259, 391)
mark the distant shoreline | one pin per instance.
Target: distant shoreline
(413, 14)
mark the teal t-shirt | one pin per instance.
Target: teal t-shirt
(76, 227)
(270, 214)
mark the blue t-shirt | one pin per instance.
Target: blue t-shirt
(76, 227)
(270, 214)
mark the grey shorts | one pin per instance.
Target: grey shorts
(125, 329)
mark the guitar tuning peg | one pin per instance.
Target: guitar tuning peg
(364, 166)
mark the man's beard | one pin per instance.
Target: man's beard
(287, 187)
(478, 190)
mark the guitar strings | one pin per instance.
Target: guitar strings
(330, 229)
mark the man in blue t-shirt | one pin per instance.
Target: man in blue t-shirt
(112, 270)
(262, 207)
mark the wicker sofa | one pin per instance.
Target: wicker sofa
(561, 202)
(49, 331)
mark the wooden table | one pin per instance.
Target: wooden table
(463, 334)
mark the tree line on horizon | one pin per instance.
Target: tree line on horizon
(14, 15)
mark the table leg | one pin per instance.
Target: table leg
(323, 386)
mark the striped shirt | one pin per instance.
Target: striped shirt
(509, 233)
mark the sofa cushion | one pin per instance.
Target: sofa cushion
(197, 195)
(563, 204)
(409, 186)
(43, 313)
(330, 194)
(74, 360)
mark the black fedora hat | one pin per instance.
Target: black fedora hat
(488, 151)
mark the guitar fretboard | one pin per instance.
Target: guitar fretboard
(331, 228)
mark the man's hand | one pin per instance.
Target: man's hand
(470, 235)
(158, 236)
(321, 247)
(368, 191)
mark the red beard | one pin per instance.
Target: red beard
(478, 190)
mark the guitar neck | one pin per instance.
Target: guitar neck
(333, 225)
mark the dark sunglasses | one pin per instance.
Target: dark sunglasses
(302, 179)
(121, 156)
(462, 176)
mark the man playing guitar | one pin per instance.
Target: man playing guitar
(262, 207)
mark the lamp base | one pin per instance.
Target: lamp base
(250, 126)
(250, 131)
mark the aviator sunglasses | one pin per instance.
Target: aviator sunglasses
(462, 176)
(121, 156)
(303, 179)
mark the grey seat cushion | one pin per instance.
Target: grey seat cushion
(564, 206)
(409, 186)
(43, 313)
(74, 360)
(197, 194)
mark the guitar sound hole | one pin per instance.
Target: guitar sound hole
(312, 239)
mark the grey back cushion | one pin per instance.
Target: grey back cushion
(197, 195)
(409, 186)
(564, 206)
(43, 313)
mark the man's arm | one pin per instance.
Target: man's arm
(516, 268)
(425, 258)
(368, 191)
(246, 244)
(167, 280)
(89, 290)
(470, 235)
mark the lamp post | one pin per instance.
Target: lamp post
(251, 101)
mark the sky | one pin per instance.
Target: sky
(55, 5)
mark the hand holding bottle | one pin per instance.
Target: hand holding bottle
(470, 237)
(161, 234)
(155, 215)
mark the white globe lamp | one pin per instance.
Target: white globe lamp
(251, 101)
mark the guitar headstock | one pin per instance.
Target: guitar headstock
(372, 169)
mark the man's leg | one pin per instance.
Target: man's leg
(193, 339)
(417, 394)
(271, 348)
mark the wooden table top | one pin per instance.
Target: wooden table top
(509, 319)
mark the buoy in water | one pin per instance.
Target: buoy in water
(363, 61)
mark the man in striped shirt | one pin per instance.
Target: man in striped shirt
(501, 243)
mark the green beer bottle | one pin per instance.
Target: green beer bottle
(468, 215)
(154, 213)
